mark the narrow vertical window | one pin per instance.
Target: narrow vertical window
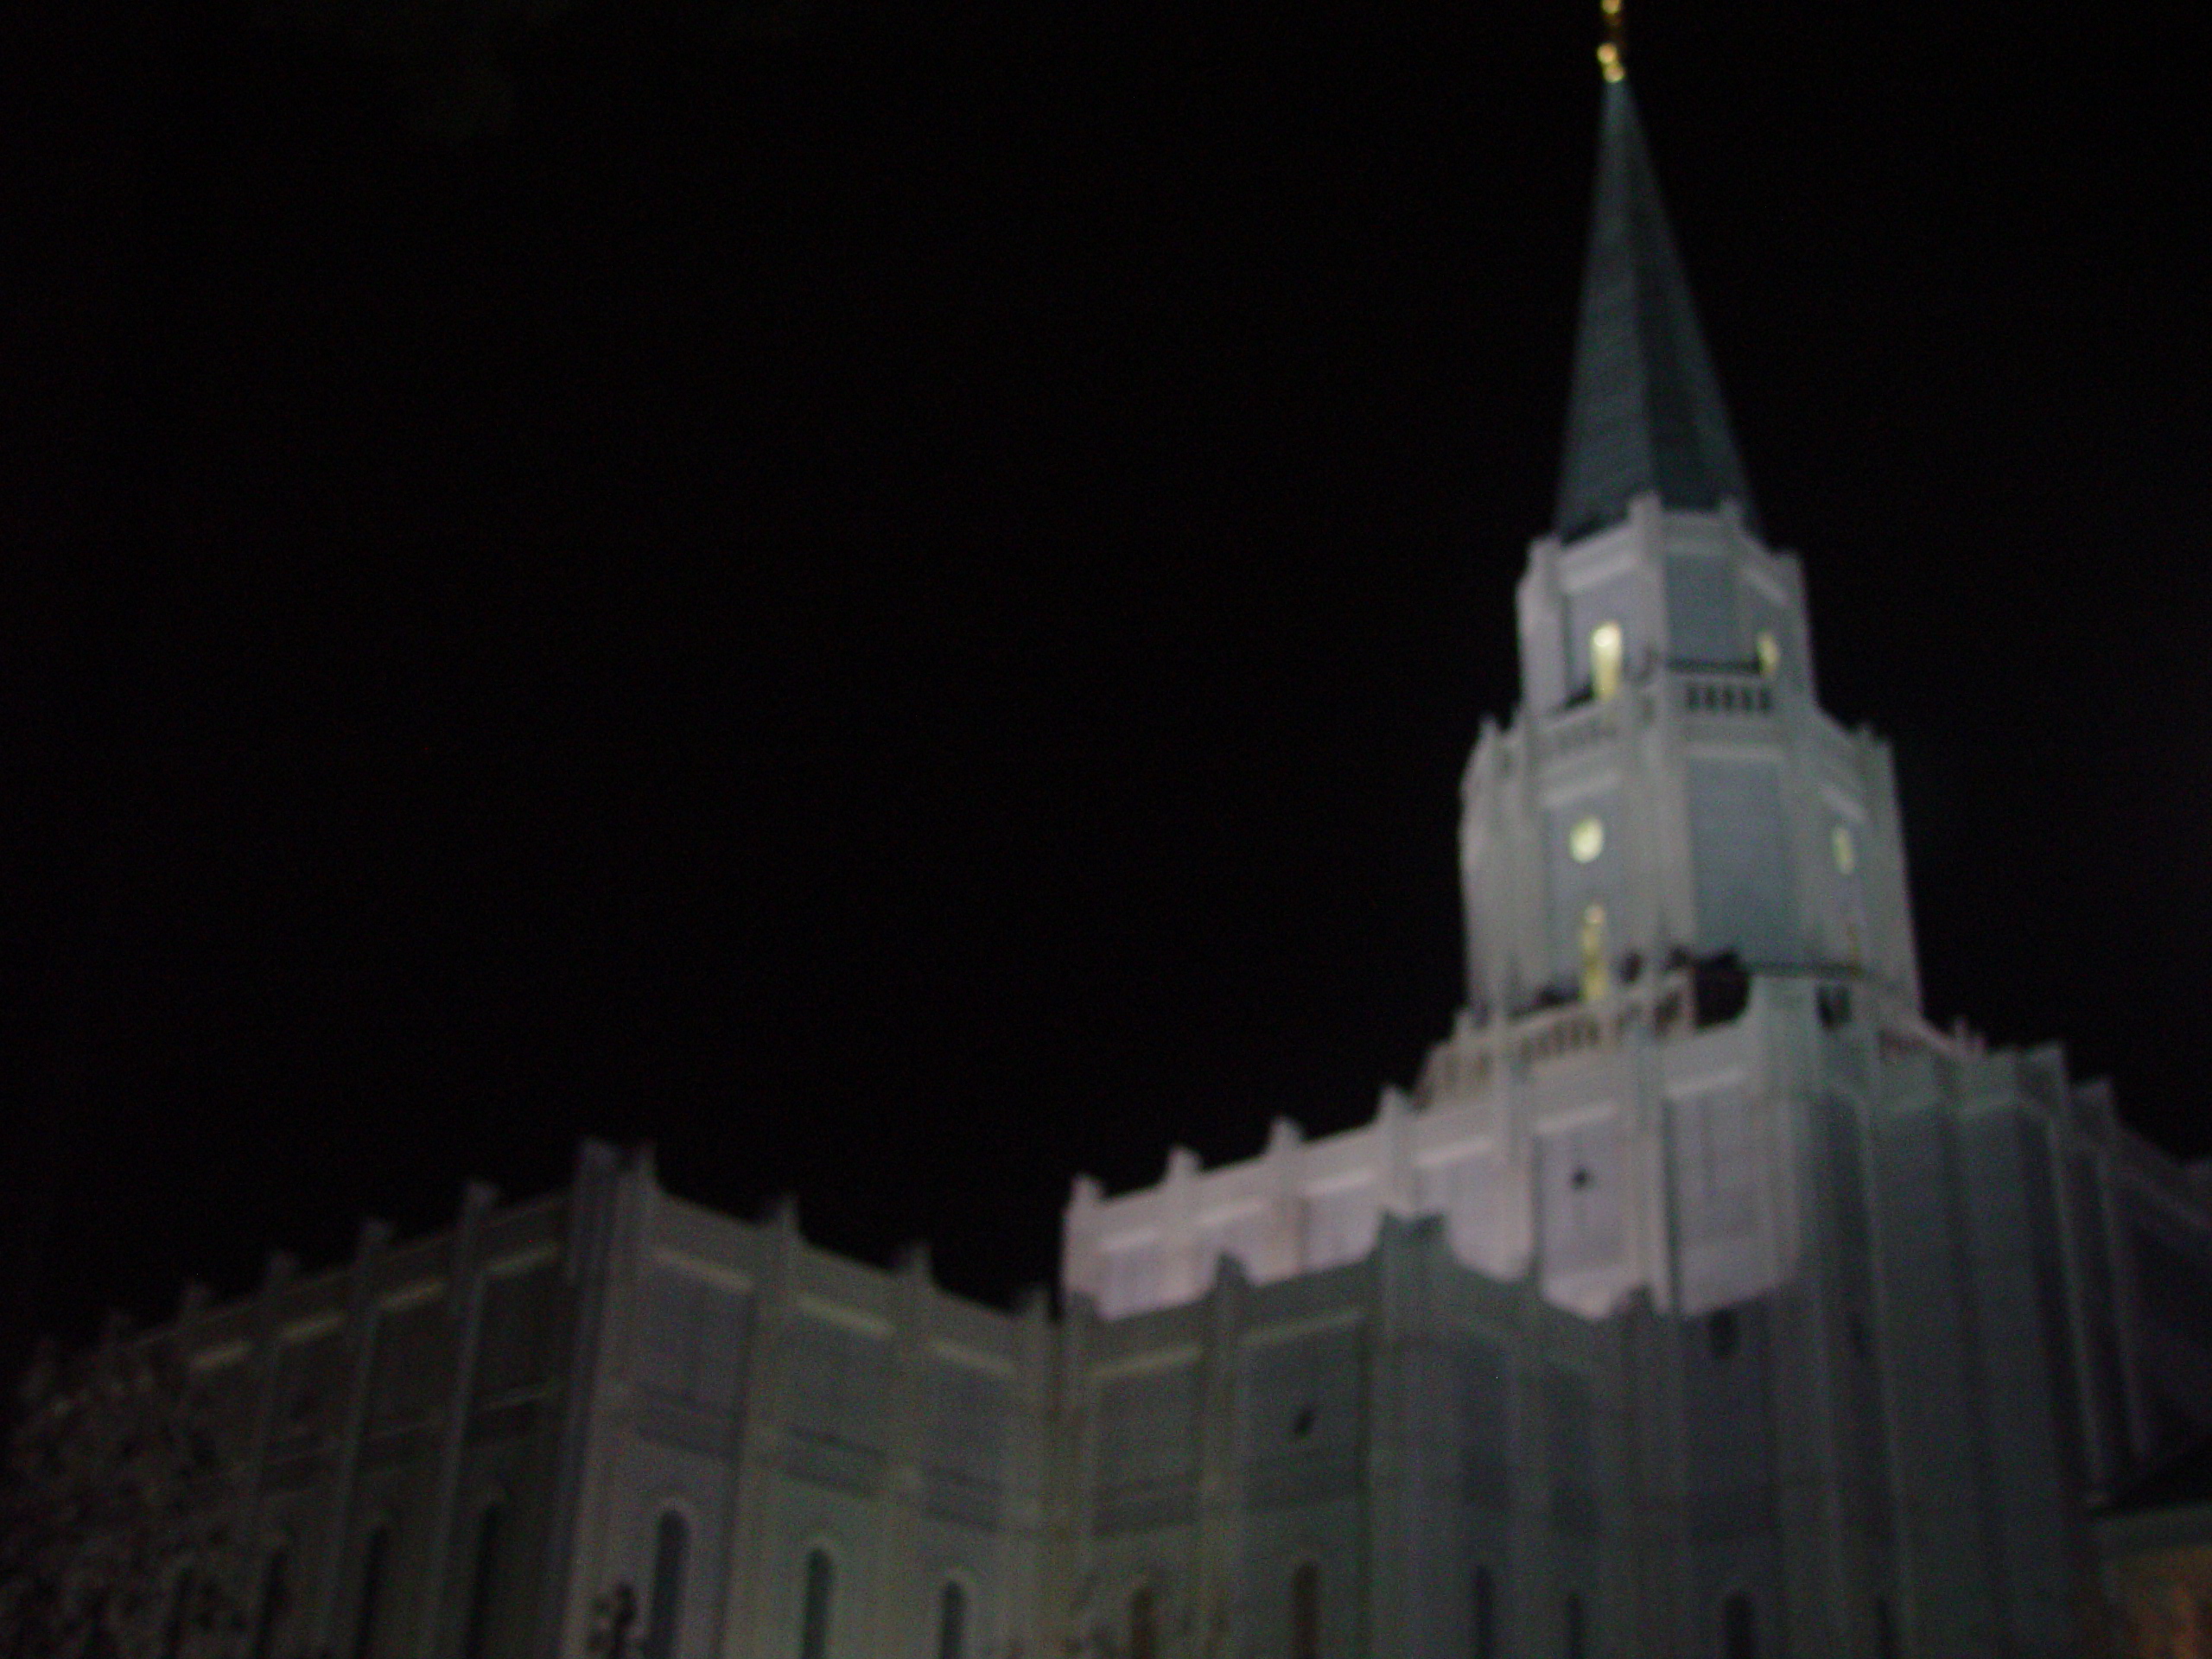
(1595, 980)
(269, 1616)
(483, 1582)
(1484, 1616)
(1606, 660)
(1885, 1630)
(1768, 649)
(1306, 1612)
(1144, 1642)
(665, 1610)
(1574, 1647)
(173, 1632)
(814, 1609)
(366, 1608)
(1739, 1628)
(951, 1622)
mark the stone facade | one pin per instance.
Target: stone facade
(1699, 1299)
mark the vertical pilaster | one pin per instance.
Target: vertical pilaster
(1072, 1496)
(585, 1266)
(1383, 1573)
(360, 1353)
(1025, 1546)
(897, 1590)
(1286, 1198)
(751, 1572)
(1221, 1498)
(465, 1308)
(276, 1278)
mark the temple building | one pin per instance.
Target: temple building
(1699, 1298)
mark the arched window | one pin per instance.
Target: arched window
(665, 1610)
(1306, 1611)
(366, 1607)
(1575, 1640)
(1885, 1630)
(1144, 1640)
(275, 1593)
(179, 1622)
(952, 1621)
(483, 1582)
(1740, 1627)
(814, 1609)
(1485, 1618)
(1720, 1332)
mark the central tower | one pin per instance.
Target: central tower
(1669, 788)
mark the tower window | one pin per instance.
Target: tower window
(1605, 647)
(1770, 653)
(1486, 1614)
(1586, 840)
(1594, 978)
(1845, 848)
(1575, 1649)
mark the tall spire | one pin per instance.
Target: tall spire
(1646, 412)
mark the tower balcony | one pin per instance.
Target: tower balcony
(1735, 695)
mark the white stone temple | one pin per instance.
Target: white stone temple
(1698, 1299)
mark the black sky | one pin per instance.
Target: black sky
(896, 607)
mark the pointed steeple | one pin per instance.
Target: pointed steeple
(1646, 412)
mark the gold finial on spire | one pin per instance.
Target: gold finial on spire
(1611, 59)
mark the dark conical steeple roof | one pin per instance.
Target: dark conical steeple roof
(1646, 412)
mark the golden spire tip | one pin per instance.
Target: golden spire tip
(1611, 59)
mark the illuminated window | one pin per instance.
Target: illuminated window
(1586, 840)
(1594, 981)
(1605, 659)
(1770, 653)
(1846, 849)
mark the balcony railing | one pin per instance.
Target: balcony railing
(1729, 696)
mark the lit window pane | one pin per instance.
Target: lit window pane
(1605, 659)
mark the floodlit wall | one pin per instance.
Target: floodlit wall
(1620, 1146)
(377, 1414)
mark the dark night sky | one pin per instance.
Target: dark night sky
(896, 607)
